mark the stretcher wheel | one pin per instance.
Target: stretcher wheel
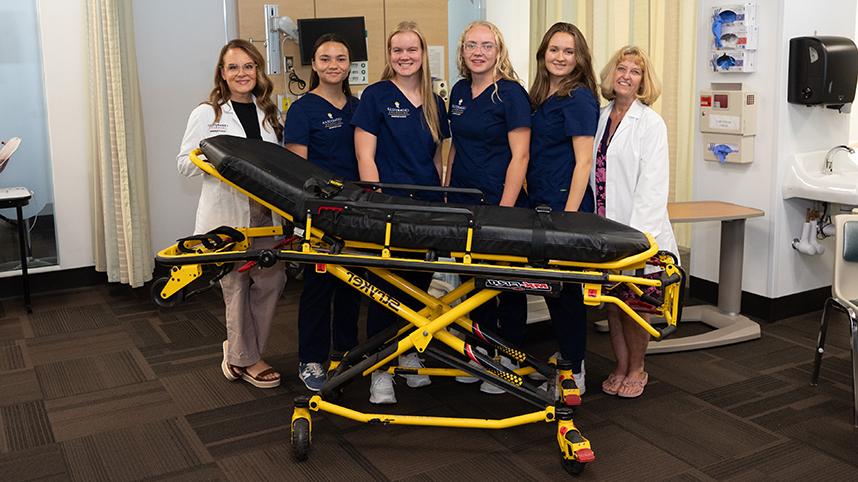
(301, 439)
(573, 467)
(170, 302)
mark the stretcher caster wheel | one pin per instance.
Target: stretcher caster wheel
(170, 301)
(301, 439)
(573, 467)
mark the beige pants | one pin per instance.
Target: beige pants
(251, 298)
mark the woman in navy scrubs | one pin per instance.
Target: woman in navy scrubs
(564, 123)
(490, 126)
(318, 128)
(399, 126)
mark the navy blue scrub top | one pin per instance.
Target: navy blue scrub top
(480, 128)
(326, 131)
(552, 160)
(405, 149)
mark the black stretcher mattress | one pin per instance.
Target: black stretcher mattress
(294, 185)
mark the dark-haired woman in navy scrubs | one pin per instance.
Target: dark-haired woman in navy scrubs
(561, 157)
(399, 126)
(318, 128)
(490, 126)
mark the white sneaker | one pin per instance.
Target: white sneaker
(474, 364)
(579, 379)
(493, 389)
(412, 360)
(381, 388)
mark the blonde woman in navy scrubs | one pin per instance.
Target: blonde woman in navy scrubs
(490, 126)
(399, 126)
(318, 128)
(561, 156)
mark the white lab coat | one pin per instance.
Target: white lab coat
(638, 173)
(220, 204)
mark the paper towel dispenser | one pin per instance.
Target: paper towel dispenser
(822, 70)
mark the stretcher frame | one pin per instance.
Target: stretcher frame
(341, 258)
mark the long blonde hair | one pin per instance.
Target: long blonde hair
(503, 66)
(581, 76)
(430, 106)
(650, 88)
(220, 94)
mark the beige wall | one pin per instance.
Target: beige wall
(380, 16)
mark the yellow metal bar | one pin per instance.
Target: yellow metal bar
(547, 415)
(451, 372)
(632, 313)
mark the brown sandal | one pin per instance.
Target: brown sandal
(259, 380)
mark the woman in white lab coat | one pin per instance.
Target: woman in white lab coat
(239, 105)
(631, 183)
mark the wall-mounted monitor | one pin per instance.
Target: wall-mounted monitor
(351, 29)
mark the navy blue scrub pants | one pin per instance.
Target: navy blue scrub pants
(510, 310)
(378, 317)
(569, 317)
(314, 316)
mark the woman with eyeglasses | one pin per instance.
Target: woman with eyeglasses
(490, 126)
(239, 105)
(318, 128)
(566, 112)
(399, 126)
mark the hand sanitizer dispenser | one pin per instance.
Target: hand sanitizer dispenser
(822, 70)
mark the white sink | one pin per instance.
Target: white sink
(806, 178)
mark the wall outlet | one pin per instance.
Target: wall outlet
(289, 63)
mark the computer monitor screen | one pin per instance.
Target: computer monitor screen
(351, 29)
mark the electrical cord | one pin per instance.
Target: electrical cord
(293, 79)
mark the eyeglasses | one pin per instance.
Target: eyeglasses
(486, 47)
(234, 69)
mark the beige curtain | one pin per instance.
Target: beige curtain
(120, 208)
(662, 27)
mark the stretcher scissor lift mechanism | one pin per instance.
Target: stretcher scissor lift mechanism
(347, 229)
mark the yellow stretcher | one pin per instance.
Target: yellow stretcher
(428, 329)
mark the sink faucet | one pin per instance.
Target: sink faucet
(829, 157)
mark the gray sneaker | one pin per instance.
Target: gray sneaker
(381, 388)
(312, 374)
(412, 360)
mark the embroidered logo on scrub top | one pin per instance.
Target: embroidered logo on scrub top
(458, 108)
(396, 112)
(332, 123)
(217, 127)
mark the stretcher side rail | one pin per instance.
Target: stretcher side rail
(414, 188)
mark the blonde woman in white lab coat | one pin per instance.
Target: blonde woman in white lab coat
(631, 182)
(239, 105)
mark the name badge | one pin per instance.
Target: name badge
(218, 128)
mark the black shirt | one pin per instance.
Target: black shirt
(246, 113)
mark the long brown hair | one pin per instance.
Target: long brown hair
(430, 106)
(581, 76)
(314, 77)
(220, 94)
(503, 66)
